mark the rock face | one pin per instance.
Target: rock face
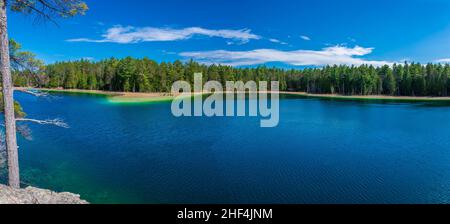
(31, 195)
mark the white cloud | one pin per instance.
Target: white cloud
(305, 37)
(274, 40)
(444, 60)
(88, 58)
(351, 39)
(277, 41)
(338, 55)
(129, 34)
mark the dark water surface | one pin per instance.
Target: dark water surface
(323, 151)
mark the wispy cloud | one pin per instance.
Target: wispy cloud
(277, 41)
(129, 34)
(351, 39)
(443, 60)
(339, 55)
(88, 58)
(305, 37)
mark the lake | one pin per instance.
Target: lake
(323, 151)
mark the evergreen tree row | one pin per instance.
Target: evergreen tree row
(145, 75)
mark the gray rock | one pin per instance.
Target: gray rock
(31, 195)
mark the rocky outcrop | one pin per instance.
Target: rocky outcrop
(31, 195)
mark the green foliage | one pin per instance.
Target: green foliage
(24, 65)
(50, 8)
(145, 75)
(18, 110)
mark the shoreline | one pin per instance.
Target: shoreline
(112, 97)
(370, 97)
(128, 97)
(32, 195)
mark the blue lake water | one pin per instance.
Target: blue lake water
(323, 151)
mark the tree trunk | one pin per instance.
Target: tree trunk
(10, 122)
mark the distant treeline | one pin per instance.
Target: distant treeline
(145, 75)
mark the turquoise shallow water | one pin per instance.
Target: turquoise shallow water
(323, 151)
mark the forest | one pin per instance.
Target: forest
(145, 75)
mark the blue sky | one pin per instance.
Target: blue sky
(246, 33)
